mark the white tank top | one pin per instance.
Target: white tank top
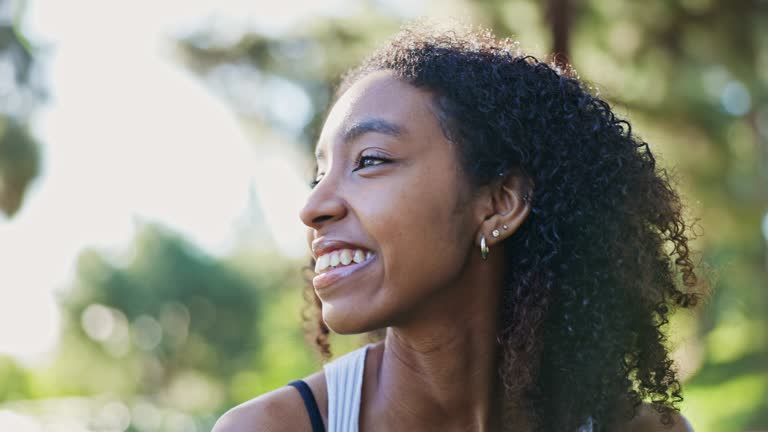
(344, 380)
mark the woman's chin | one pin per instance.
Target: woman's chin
(347, 323)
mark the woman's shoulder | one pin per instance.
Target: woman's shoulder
(647, 420)
(277, 411)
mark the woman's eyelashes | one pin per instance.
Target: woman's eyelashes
(364, 161)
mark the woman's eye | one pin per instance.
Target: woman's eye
(369, 161)
(362, 162)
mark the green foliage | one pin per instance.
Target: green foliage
(21, 93)
(19, 164)
(168, 305)
(14, 382)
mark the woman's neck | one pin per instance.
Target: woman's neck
(450, 379)
(439, 372)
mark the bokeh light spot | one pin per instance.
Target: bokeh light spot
(147, 332)
(98, 322)
(114, 416)
(735, 99)
(765, 226)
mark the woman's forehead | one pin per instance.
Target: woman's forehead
(379, 99)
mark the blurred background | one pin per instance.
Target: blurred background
(154, 156)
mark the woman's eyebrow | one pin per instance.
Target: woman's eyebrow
(375, 125)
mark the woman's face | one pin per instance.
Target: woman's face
(390, 191)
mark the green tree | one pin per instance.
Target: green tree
(21, 93)
(165, 326)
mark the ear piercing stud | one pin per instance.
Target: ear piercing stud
(496, 232)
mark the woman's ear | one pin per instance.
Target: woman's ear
(505, 206)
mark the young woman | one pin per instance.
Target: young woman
(514, 239)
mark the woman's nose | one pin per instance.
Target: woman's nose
(323, 206)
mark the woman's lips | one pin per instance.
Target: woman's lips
(332, 276)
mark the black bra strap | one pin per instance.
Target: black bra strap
(310, 404)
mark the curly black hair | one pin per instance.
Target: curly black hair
(603, 259)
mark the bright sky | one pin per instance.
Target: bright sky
(128, 136)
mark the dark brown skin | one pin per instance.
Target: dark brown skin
(429, 287)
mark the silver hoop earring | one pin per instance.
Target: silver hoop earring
(483, 248)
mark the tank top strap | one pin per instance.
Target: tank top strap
(344, 380)
(310, 403)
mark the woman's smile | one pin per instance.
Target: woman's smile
(337, 259)
(340, 257)
(331, 274)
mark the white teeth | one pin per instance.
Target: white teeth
(345, 256)
(341, 257)
(359, 256)
(321, 264)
